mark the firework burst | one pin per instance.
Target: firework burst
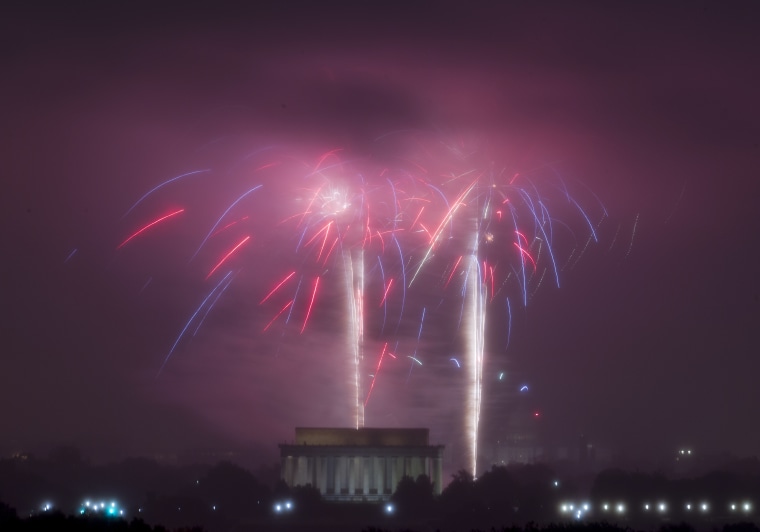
(355, 220)
(371, 229)
(497, 238)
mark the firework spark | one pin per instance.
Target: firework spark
(148, 226)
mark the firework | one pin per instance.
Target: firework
(503, 231)
(356, 218)
(377, 230)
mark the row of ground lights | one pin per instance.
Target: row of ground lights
(579, 510)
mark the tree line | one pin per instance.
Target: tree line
(219, 497)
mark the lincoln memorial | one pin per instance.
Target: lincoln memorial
(359, 464)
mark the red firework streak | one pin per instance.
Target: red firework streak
(227, 256)
(151, 224)
(311, 304)
(377, 370)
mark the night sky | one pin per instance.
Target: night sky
(650, 342)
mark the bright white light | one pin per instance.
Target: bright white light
(646, 507)
(662, 507)
(564, 508)
(556, 483)
(389, 508)
(585, 507)
(733, 507)
(281, 506)
(704, 506)
(620, 508)
(605, 507)
(688, 506)
(747, 507)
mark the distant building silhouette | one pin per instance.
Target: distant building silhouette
(518, 440)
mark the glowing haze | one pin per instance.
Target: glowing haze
(220, 226)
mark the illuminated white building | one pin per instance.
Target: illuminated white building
(359, 464)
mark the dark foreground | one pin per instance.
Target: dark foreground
(56, 521)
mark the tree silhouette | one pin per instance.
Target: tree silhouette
(497, 491)
(8, 516)
(414, 498)
(536, 497)
(307, 500)
(234, 491)
(459, 502)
